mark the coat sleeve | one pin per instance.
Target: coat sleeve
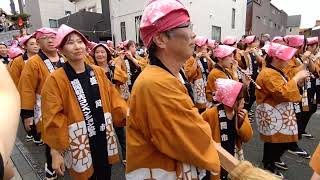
(28, 85)
(245, 131)
(15, 70)
(285, 92)
(119, 107)
(211, 116)
(120, 75)
(55, 123)
(177, 129)
(315, 160)
(191, 69)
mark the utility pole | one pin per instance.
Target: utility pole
(20, 6)
(106, 14)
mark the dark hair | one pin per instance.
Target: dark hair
(130, 43)
(109, 55)
(269, 59)
(67, 38)
(152, 50)
(243, 93)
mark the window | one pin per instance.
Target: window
(290, 30)
(123, 31)
(233, 20)
(137, 23)
(282, 28)
(265, 20)
(258, 17)
(67, 13)
(273, 11)
(275, 26)
(92, 9)
(216, 33)
(271, 23)
(53, 23)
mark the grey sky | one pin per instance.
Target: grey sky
(309, 9)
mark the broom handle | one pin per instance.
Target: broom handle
(227, 161)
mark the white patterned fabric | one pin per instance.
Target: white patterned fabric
(78, 156)
(37, 109)
(199, 93)
(279, 119)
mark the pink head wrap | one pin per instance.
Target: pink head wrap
(25, 39)
(294, 40)
(227, 91)
(249, 39)
(120, 45)
(280, 51)
(64, 31)
(201, 41)
(109, 43)
(312, 40)
(211, 43)
(278, 39)
(223, 51)
(160, 16)
(14, 52)
(125, 43)
(44, 32)
(98, 45)
(229, 40)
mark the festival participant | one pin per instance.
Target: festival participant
(239, 57)
(197, 69)
(167, 138)
(33, 76)
(254, 63)
(132, 64)
(303, 108)
(29, 43)
(312, 45)
(224, 68)
(102, 57)
(279, 40)
(80, 107)
(276, 120)
(315, 164)
(4, 53)
(229, 120)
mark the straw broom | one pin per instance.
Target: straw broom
(243, 170)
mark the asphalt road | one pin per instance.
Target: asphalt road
(298, 167)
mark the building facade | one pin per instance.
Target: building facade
(45, 13)
(293, 25)
(214, 19)
(88, 5)
(263, 17)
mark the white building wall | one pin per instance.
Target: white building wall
(204, 15)
(294, 30)
(85, 4)
(54, 9)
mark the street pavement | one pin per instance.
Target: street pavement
(29, 159)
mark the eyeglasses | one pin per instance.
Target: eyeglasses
(188, 26)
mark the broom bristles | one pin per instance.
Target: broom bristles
(246, 171)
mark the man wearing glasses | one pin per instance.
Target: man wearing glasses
(167, 137)
(33, 76)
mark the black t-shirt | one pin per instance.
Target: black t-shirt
(1, 168)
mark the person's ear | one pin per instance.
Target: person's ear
(161, 40)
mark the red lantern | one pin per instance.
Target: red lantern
(20, 21)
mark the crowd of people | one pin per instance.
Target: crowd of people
(186, 101)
